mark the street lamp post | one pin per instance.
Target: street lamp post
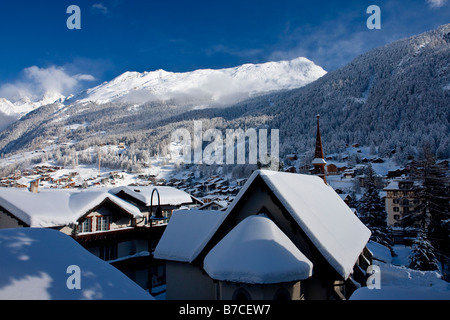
(157, 217)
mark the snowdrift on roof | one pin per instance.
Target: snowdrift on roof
(34, 265)
(50, 207)
(319, 211)
(168, 195)
(257, 251)
(187, 233)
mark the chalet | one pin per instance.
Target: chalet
(292, 157)
(396, 173)
(103, 223)
(65, 210)
(348, 173)
(82, 214)
(342, 169)
(346, 198)
(214, 205)
(305, 169)
(332, 169)
(290, 169)
(169, 199)
(378, 180)
(285, 236)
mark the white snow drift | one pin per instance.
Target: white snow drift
(34, 264)
(257, 251)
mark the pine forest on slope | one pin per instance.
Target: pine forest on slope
(394, 97)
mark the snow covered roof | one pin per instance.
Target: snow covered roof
(318, 161)
(257, 251)
(168, 195)
(187, 233)
(319, 211)
(393, 185)
(221, 203)
(34, 266)
(55, 207)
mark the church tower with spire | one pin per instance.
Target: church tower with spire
(319, 162)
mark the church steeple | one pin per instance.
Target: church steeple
(319, 150)
(319, 161)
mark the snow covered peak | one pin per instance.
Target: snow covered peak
(206, 86)
(10, 111)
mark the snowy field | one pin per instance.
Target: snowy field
(401, 283)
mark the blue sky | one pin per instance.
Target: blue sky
(38, 51)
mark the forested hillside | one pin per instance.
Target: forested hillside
(394, 98)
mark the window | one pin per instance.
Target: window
(405, 202)
(396, 201)
(282, 294)
(396, 209)
(241, 295)
(108, 252)
(102, 223)
(396, 217)
(84, 226)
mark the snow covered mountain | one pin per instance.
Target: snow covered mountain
(205, 86)
(199, 88)
(12, 111)
(394, 98)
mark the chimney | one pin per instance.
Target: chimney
(34, 186)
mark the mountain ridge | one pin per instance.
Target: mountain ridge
(218, 86)
(393, 98)
(202, 87)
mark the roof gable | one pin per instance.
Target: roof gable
(325, 219)
(52, 208)
(319, 211)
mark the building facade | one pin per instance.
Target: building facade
(285, 236)
(402, 199)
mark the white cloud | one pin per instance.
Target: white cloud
(436, 3)
(84, 77)
(35, 82)
(100, 7)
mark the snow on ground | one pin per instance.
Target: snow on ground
(401, 283)
(383, 168)
(380, 252)
(35, 266)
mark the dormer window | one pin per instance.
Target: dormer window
(85, 226)
(102, 223)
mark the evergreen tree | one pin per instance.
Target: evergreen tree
(422, 256)
(434, 210)
(372, 210)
